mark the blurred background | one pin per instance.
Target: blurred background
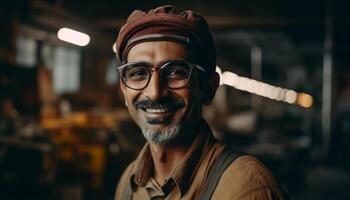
(284, 94)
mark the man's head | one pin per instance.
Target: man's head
(168, 71)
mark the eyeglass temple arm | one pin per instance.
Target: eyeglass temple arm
(199, 67)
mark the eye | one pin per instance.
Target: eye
(137, 73)
(176, 72)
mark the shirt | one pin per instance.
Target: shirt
(245, 178)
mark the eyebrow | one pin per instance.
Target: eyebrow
(160, 63)
(171, 60)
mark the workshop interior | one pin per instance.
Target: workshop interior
(284, 94)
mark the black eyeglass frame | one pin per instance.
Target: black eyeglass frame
(162, 66)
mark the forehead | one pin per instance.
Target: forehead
(158, 51)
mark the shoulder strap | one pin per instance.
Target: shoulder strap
(220, 165)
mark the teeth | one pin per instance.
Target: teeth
(150, 110)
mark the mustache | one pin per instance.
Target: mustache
(160, 104)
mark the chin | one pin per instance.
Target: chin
(162, 135)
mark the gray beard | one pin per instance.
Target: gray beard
(161, 136)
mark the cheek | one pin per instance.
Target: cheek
(129, 97)
(129, 102)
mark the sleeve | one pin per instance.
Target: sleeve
(247, 178)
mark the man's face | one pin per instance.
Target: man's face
(165, 114)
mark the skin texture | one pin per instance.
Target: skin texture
(194, 95)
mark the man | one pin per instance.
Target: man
(167, 75)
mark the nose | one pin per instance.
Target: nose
(155, 89)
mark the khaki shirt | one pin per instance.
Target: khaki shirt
(245, 178)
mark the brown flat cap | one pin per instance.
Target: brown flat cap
(163, 23)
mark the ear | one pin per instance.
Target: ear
(122, 88)
(210, 88)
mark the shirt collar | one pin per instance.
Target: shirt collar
(185, 171)
(143, 167)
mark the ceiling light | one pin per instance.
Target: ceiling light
(305, 100)
(74, 37)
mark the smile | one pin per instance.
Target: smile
(159, 116)
(158, 110)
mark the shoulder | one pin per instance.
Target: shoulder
(124, 181)
(249, 166)
(247, 178)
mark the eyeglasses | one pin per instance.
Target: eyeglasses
(174, 74)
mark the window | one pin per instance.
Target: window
(66, 69)
(111, 72)
(25, 51)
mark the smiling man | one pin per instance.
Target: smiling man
(167, 75)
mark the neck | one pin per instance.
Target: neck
(165, 158)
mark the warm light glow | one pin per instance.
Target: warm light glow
(305, 100)
(264, 89)
(74, 37)
(281, 94)
(218, 70)
(291, 96)
(114, 47)
(229, 78)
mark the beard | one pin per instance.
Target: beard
(162, 136)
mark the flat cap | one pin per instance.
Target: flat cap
(164, 24)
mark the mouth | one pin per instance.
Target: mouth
(159, 116)
(159, 108)
(159, 112)
(156, 110)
